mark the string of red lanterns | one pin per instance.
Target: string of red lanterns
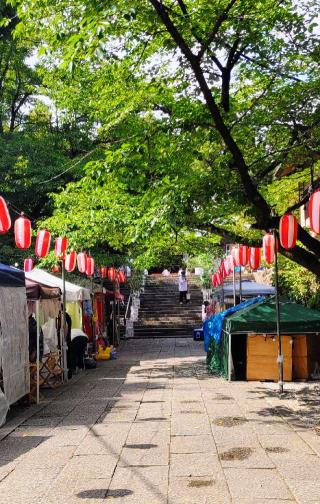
(23, 235)
(243, 255)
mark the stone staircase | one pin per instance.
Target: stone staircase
(161, 315)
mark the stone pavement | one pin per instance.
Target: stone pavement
(153, 428)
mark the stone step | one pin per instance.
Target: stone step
(160, 313)
(164, 333)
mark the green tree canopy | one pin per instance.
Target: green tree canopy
(195, 107)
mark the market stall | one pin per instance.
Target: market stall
(249, 343)
(75, 297)
(14, 339)
(44, 305)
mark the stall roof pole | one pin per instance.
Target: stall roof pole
(64, 341)
(229, 358)
(280, 356)
(234, 285)
(240, 284)
(38, 349)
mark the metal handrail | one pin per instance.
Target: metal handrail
(128, 306)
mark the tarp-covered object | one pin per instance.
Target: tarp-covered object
(261, 319)
(73, 292)
(217, 356)
(212, 327)
(14, 336)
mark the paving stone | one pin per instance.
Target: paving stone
(100, 445)
(244, 456)
(306, 490)
(195, 490)
(300, 466)
(150, 426)
(144, 454)
(137, 485)
(111, 430)
(76, 491)
(6, 468)
(13, 447)
(49, 457)
(235, 436)
(185, 424)
(91, 466)
(256, 484)
(192, 444)
(194, 464)
(290, 443)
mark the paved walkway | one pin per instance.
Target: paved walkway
(154, 428)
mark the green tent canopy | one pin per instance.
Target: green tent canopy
(261, 319)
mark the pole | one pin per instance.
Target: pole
(114, 314)
(222, 289)
(280, 356)
(240, 284)
(64, 341)
(234, 285)
(229, 359)
(92, 321)
(38, 349)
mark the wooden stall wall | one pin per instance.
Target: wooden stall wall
(262, 353)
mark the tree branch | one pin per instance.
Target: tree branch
(262, 209)
(223, 16)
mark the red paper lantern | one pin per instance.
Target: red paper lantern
(55, 268)
(43, 243)
(103, 272)
(241, 255)
(255, 258)
(60, 246)
(230, 262)
(219, 278)
(5, 220)
(226, 267)
(244, 255)
(314, 211)
(82, 262)
(223, 270)
(22, 233)
(112, 274)
(214, 280)
(122, 277)
(28, 264)
(288, 231)
(70, 262)
(90, 266)
(268, 247)
(236, 256)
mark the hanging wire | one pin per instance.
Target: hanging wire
(69, 168)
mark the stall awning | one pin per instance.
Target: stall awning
(36, 290)
(11, 277)
(73, 292)
(249, 288)
(261, 319)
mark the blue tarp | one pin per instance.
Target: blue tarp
(11, 277)
(212, 328)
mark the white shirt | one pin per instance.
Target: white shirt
(183, 284)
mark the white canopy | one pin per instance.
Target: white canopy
(248, 288)
(73, 292)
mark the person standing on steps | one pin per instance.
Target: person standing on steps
(183, 287)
